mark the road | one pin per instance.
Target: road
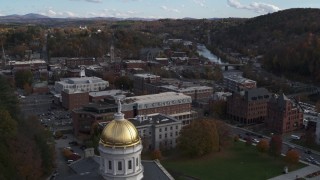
(286, 145)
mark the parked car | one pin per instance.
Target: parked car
(307, 151)
(75, 143)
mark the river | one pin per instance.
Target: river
(203, 51)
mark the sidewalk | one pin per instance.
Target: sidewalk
(300, 173)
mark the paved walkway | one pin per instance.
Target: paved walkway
(300, 173)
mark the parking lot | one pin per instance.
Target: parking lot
(63, 169)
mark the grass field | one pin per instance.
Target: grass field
(237, 162)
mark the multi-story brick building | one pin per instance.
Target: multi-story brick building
(174, 104)
(139, 81)
(102, 95)
(284, 115)
(131, 64)
(72, 99)
(75, 62)
(83, 118)
(235, 83)
(195, 92)
(248, 107)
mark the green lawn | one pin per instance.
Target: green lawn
(238, 162)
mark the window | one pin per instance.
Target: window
(160, 130)
(119, 166)
(137, 162)
(160, 136)
(165, 128)
(129, 164)
(110, 165)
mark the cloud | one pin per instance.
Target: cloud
(165, 8)
(94, 1)
(254, 6)
(116, 13)
(200, 2)
(52, 13)
(91, 1)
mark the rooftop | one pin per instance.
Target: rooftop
(152, 119)
(88, 168)
(166, 96)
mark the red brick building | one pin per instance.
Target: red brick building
(74, 99)
(132, 64)
(140, 80)
(249, 107)
(283, 115)
(83, 118)
(74, 62)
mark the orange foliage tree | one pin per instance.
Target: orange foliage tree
(292, 156)
(263, 145)
(199, 138)
(156, 154)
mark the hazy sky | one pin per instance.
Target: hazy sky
(151, 8)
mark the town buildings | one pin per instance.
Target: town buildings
(157, 131)
(140, 81)
(236, 84)
(86, 84)
(284, 115)
(248, 107)
(176, 105)
(72, 99)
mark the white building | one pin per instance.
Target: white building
(158, 131)
(85, 84)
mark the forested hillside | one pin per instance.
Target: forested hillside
(26, 151)
(289, 41)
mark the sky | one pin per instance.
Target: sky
(152, 8)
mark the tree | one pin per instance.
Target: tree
(292, 156)
(22, 77)
(223, 132)
(8, 126)
(219, 108)
(124, 82)
(199, 138)
(156, 154)
(248, 141)
(263, 146)
(275, 145)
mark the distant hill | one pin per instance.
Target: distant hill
(288, 39)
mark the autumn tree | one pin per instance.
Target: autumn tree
(23, 77)
(275, 145)
(223, 132)
(156, 154)
(8, 126)
(263, 146)
(124, 82)
(219, 108)
(199, 138)
(292, 156)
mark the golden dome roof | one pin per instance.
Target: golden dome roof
(120, 133)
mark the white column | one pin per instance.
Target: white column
(125, 166)
(114, 168)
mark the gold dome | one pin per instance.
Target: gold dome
(119, 133)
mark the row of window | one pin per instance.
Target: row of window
(120, 165)
(165, 135)
(165, 129)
